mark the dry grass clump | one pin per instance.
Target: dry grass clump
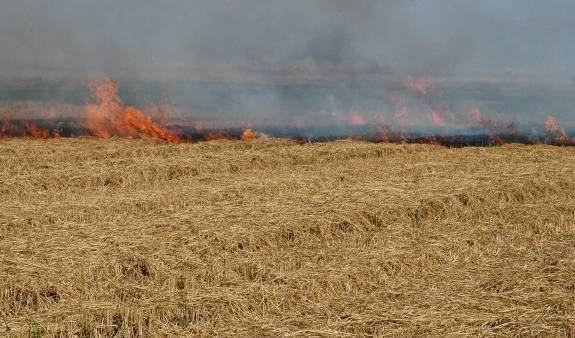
(133, 238)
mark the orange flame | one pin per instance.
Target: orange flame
(28, 128)
(249, 134)
(555, 128)
(111, 118)
(35, 132)
(491, 126)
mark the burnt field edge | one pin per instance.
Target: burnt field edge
(448, 137)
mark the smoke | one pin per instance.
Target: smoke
(273, 44)
(175, 38)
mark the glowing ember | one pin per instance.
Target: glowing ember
(109, 117)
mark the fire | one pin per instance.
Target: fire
(35, 132)
(109, 117)
(555, 128)
(249, 134)
(26, 128)
(492, 126)
(106, 116)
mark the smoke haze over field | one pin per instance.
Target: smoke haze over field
(426, 66)
(173, 39)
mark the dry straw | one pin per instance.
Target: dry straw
(134, 238)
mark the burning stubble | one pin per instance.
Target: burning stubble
(417, 113)
(333, 69)
(287, 168)
(109, 117)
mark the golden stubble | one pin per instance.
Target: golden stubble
(133, 238)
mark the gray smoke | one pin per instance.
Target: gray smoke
(175, 38)
(271, 43)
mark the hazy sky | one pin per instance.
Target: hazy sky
(74, 38)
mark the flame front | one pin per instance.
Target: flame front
(415, 103)
(109, 117)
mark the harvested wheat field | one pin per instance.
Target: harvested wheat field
(272, 238)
